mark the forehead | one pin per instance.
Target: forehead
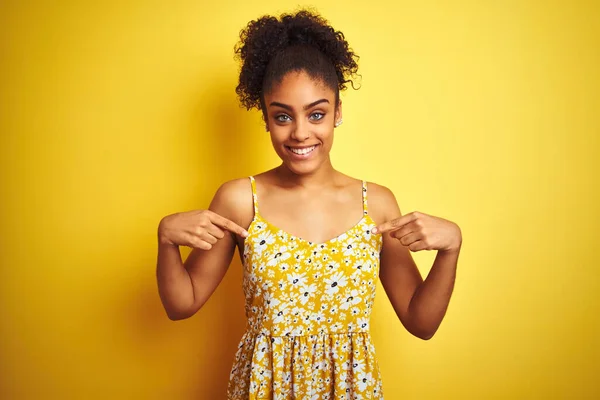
(299, 88)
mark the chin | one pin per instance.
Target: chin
(300, 169)
(303, 168)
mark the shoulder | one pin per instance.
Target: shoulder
(233, 200)
(382, 203)
(234, 190)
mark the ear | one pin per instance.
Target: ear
(338, 112)
(264, 117)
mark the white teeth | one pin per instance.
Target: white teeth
(303, 151)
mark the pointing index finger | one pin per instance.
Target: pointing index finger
(394, 224)
(228, 225)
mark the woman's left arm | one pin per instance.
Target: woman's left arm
(420, 305)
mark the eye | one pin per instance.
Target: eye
(282, 118)
(316, 116)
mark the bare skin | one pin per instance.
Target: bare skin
(308, 198)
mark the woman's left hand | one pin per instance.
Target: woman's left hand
(419, 231)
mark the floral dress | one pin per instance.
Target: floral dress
(308, 307)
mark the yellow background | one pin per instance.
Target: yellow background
(114, 115)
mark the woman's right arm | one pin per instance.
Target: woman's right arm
(185, 287)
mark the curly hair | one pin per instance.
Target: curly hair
(270, 47)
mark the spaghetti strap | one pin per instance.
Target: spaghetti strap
(254, 196)
(364, 196)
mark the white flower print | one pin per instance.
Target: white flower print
(349, 250)
(262, 241)
(297, 279)
(262, 268)
(308, 292)
(270, 300)
(278, 361)
(279, 254)
(284, 267)
(358, 366)
(334, 282)
(352, 299)
(358, 267)
(363, 380)
(282, 284)
(298, 255)
(342, 381)
(318, 317)
(281, 313)
(260, 352)
(316, 253)
(363, 323)
(333, 265)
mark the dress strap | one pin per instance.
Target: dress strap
(254, 196)
(364, 196)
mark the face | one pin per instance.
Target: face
(300, 115)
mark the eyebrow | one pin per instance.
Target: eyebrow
(306, 107)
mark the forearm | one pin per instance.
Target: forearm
(174, 283)
(430, 301)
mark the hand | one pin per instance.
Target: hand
(199, 228)
(419, 231)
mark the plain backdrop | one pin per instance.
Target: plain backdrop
(115, 114)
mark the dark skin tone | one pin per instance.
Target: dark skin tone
(308, 198)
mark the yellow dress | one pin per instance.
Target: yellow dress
(308, 307)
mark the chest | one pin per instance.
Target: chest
(313, 217)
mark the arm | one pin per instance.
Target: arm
(184, 287)
(420, 305)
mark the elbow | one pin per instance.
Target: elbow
(424, 333)
(178, 315)
(176, 309)
(425, 336)
(424, 330)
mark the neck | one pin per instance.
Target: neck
(320, 177)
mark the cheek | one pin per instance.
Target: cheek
(278, 134)
(325, 134)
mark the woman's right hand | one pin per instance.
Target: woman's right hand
(197, 229)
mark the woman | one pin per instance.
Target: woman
(310, 269)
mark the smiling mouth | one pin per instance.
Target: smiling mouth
(302, 151)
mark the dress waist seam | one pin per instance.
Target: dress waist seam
(350, 333)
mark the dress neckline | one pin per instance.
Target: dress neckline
(258, 217)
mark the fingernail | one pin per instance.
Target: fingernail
(374, 230)
(245, 234)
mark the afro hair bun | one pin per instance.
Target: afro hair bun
(265, 38)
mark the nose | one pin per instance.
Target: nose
(300, 131)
